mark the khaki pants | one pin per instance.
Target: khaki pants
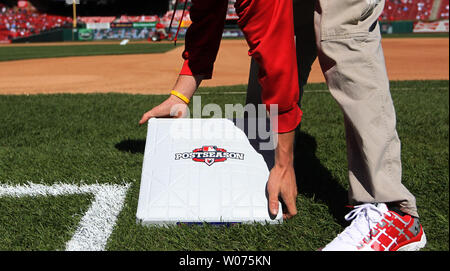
(351, 57)
(348, 41)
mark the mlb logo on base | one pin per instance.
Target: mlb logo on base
(209, 155)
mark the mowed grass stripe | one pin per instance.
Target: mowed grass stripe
(95, 138)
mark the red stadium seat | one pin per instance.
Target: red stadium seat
(407, 10)
(22, 22)
(444, 10)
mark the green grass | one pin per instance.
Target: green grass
(40, 223)
(8, 53)
(95, 138)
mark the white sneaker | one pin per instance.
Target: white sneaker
(376, 228)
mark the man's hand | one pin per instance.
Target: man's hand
(174, 107)
(282, 182)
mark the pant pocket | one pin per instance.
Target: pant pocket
(371, 5)
(347, 18)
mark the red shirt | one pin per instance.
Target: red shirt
(268, 27)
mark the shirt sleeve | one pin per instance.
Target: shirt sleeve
(203, 37)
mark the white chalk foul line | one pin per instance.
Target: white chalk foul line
(310, 91)
(97, 223)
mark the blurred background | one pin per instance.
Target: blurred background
(53, 20)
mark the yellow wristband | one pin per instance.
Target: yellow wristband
(181, 96)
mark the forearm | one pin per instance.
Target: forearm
(282, 182)
(203, 37)
(188, 84)
(284, 151)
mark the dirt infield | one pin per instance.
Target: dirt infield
(406, 59)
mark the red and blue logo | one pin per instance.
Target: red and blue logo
(209, 155)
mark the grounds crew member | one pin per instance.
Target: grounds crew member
(348, 42)
(356, 78)
(161, 30)
(268, 28)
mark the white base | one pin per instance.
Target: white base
(176, 189)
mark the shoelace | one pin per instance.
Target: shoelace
(364, 217)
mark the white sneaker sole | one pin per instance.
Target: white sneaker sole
(416, 245)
